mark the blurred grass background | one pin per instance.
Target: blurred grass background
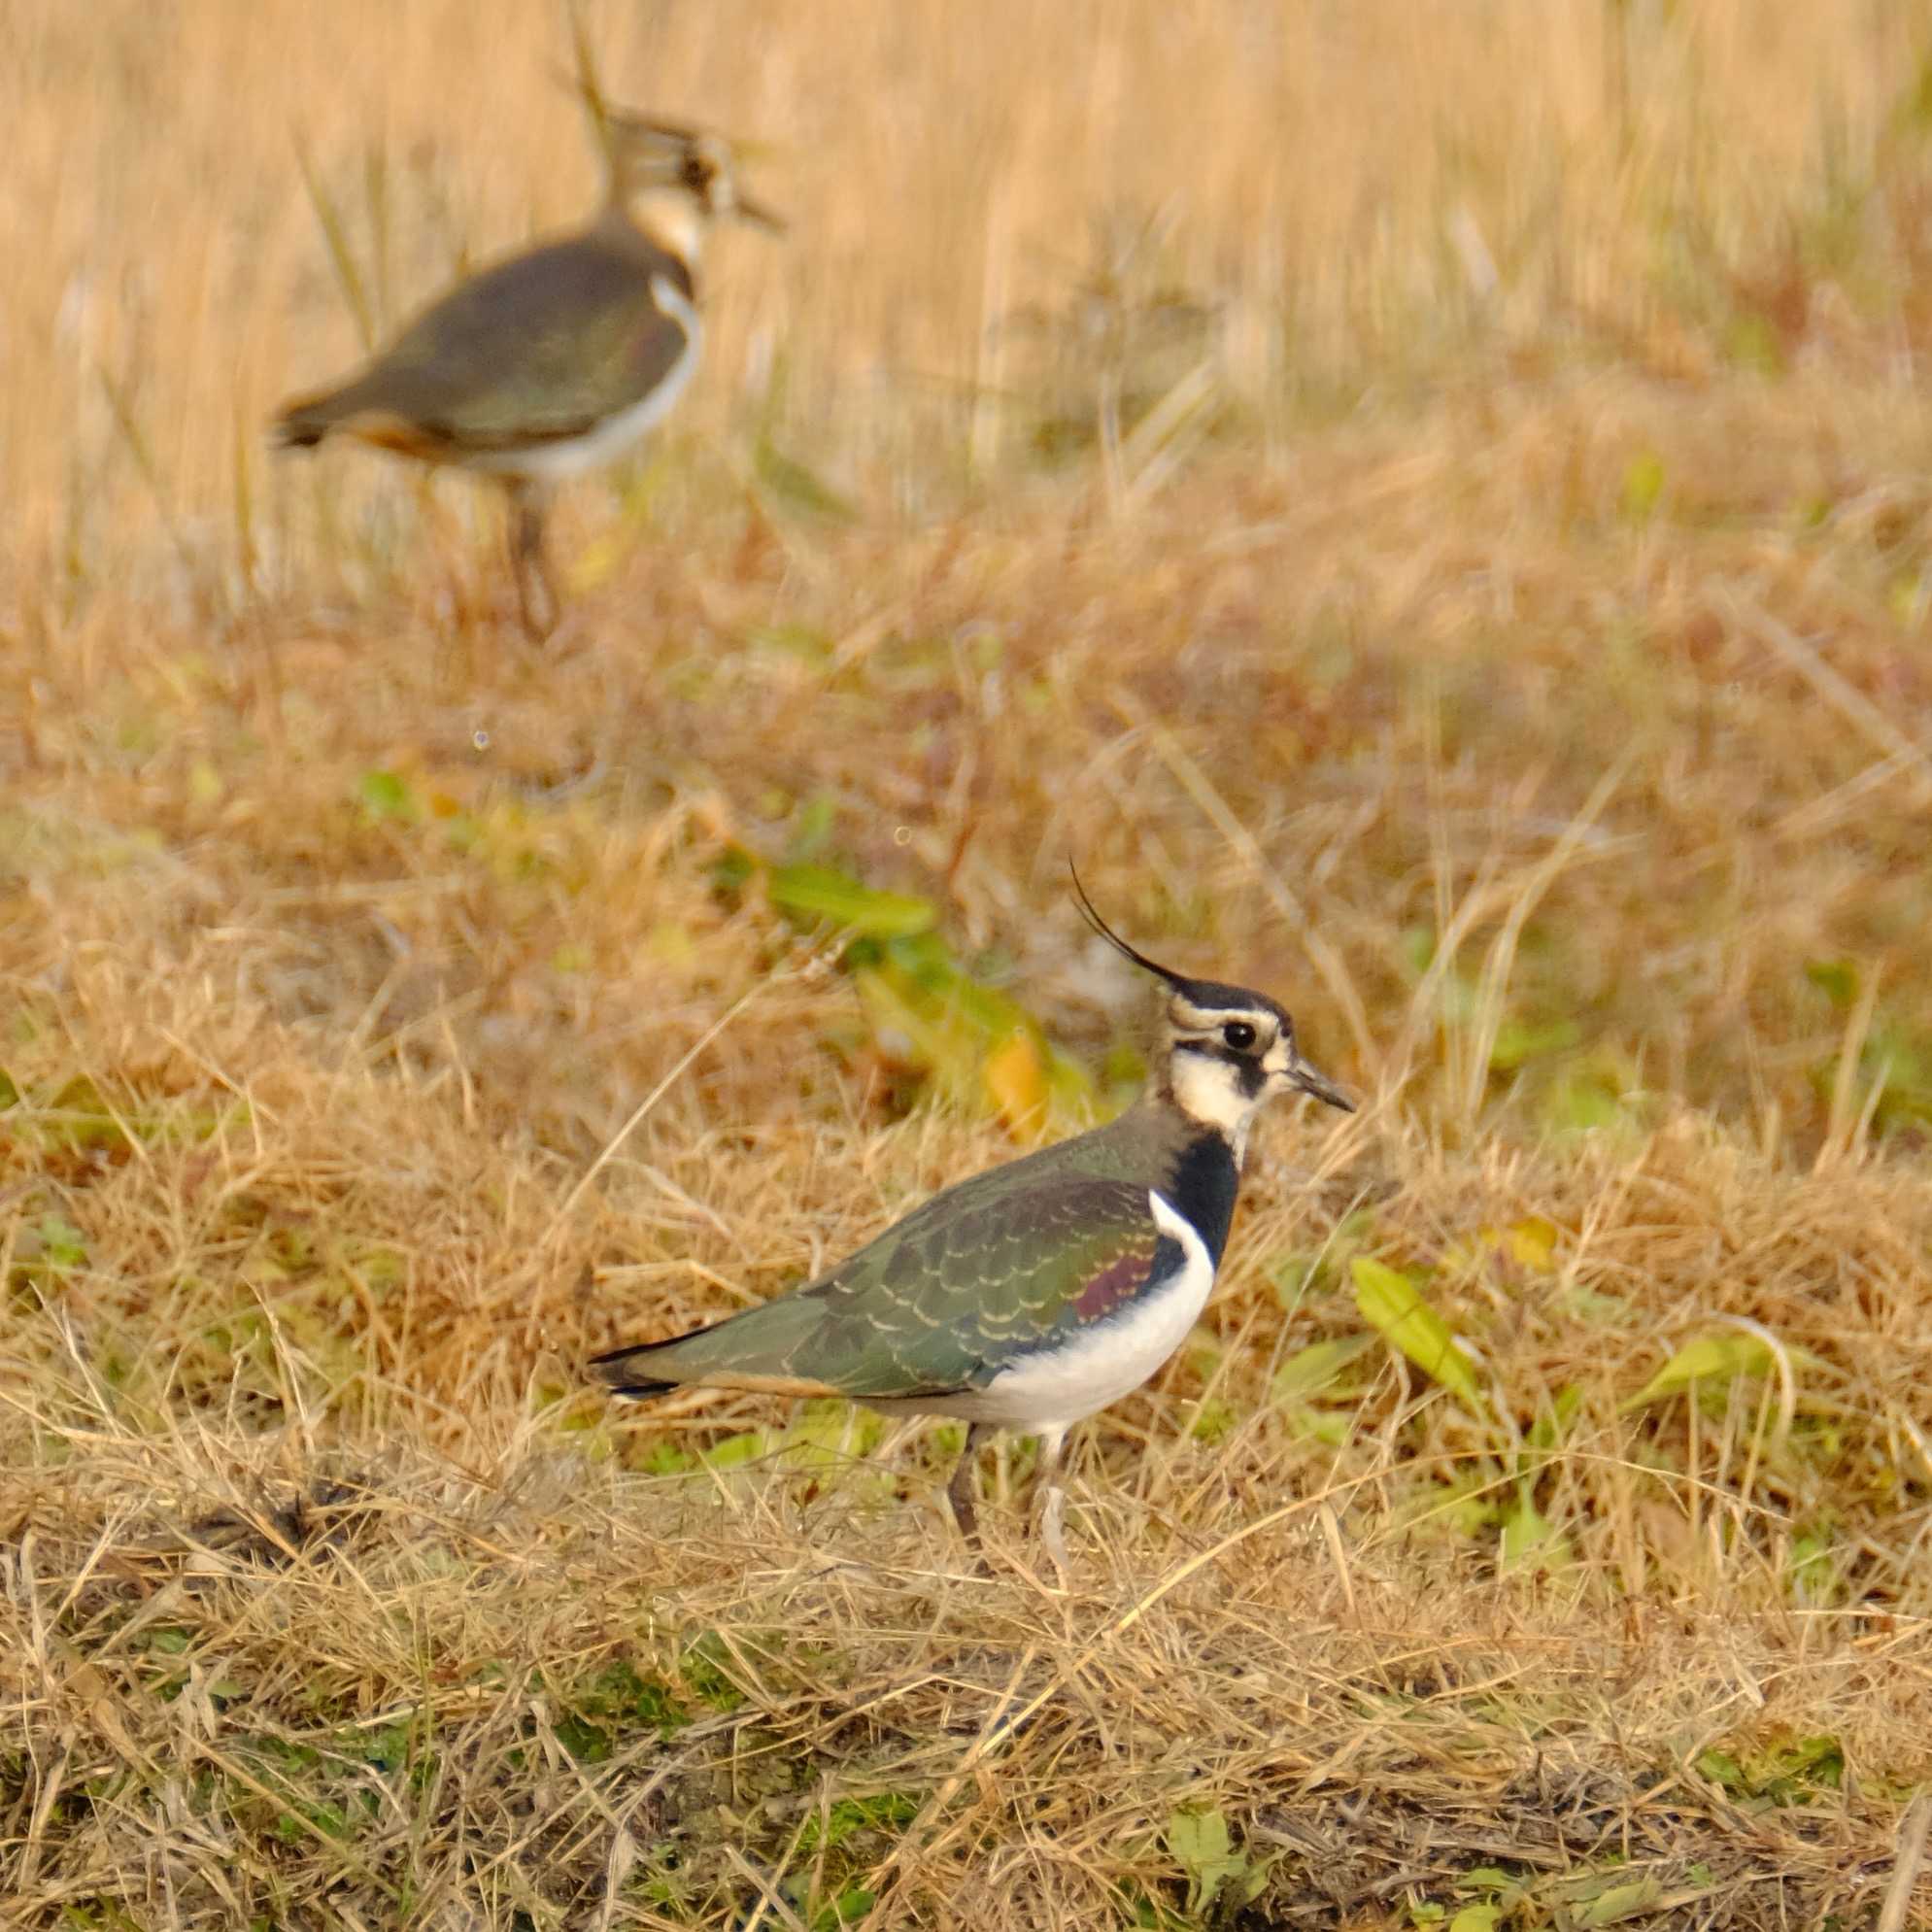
(1429, 505)
(1317, 206)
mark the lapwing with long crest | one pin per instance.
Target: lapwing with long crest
(555, 360)
(1033, 1295)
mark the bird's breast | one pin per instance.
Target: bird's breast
(1103, 1359)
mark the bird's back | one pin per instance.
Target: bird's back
(539, 347)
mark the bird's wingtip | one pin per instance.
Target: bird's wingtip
(615, 1372)
(297, 426)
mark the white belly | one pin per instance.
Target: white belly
(1107, 1361)
(556, 462)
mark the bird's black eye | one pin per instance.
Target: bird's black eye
(1239, 1034)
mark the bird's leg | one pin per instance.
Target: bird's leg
(959, 1492)
(537, 600)
(1053, 1498)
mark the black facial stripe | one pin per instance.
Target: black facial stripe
(1209, 1040)
(1252, 1075)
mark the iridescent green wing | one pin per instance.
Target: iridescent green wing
(944, 1300)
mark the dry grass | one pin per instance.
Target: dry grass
(1523, 677)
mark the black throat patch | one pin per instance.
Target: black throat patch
(1202, 1188)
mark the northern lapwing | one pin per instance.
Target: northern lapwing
(557, 359)
(1034, 1294)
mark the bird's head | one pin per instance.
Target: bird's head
(1226, 1051)
(666, 161)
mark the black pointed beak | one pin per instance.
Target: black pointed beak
(1319, 1085)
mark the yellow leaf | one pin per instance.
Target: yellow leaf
(1532, 1244)
(1394, 1307)
(1016, 1082)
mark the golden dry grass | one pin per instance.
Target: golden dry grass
(1467, 572)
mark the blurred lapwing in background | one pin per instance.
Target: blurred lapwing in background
(557, 359)
(1033, 1295)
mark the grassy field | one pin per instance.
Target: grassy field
(1428, 506)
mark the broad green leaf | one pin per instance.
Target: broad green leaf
(817, 892)
(796, 487)
(1554, 1417)
(1709, 1358)
(1518, 1041)
(1814, 1575)
(812, 830)
(1332, 1427)
(736, 1449)
(386, 795)
(1530, 1540)
(1836, 979)
(1203, 1847)
(1642, 486)
(1583, 1103)
(1394, 1307)
(1477, 1918)
(1214, 1421)
(61, 1244)
(921, 1032)
(1199, 1839)
(1630, 1900)
(1290, 1277)
(1311, 1370)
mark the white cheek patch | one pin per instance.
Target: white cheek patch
(1208, 1089)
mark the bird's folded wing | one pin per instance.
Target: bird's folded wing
(541, 349)
(939, 1303)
